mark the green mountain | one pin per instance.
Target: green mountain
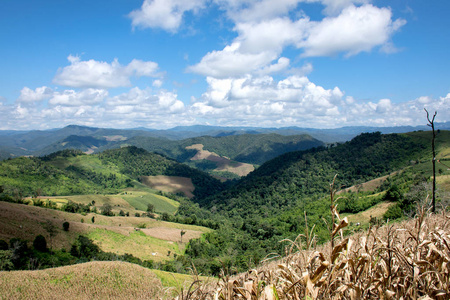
(253, 215)
(71, 172)
(247, 148)
(269, 204)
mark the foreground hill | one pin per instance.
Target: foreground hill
(401, 261)
(93, 280)
(118, 235)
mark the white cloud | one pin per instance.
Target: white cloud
(259, 101)
(230, 62)
(28, 95)
(98, 74)
(256, 11)
(355, 30)
(157, 83)
(383, 106)
(147, 102)
(165, 14)
(259, 45)
(74, 98)
(334, 7)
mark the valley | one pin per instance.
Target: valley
(145, 208)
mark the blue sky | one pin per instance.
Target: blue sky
(164, 63)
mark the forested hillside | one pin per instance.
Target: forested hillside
(270, 204)
(248, 148)
(71, 172)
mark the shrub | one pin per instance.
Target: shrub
(66, 226)
(3, 245)
(40, 244)
(393, 212)
(107, 210)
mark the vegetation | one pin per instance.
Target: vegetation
(269, 204)
(280, 201)
(405, 260)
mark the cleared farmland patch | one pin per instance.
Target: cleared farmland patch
(377, 211)
(170, 184)
(172, 234)
(139, 200)
(224, 164)
(111, 234)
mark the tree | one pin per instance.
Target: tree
(93, 219)
(5, 260)
(66, 226)
(150, 208)
(40, 244)
(431, 124)
(51, 229)
(3, 245)
(182, 232)
(107, 210)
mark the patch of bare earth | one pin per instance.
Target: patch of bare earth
(368, 186)
(376, 211)
(115, 138)
(91, 150)
(170, 184)
(171, 234)
(223, 163)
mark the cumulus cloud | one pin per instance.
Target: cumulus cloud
(164, 14)
(256, 11)
(98, 74)
(259, 45)
(355, 30)
(148, 102)
(28, 95)
(74, 98)
(255, 101)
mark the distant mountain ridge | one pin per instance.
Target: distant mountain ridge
(37, 142)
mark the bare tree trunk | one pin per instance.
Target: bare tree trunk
(431, 124)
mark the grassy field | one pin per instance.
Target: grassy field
(112, 234)
(363, 217)
(133, 200)
(140, 199)
(93, 280)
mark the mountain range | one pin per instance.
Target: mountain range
(91, 139)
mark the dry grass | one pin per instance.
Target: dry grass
(93, 280)
(368, 186)
(170, 184)
(172, 234)
(115, 234)
(376, 211)
(410, 260)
